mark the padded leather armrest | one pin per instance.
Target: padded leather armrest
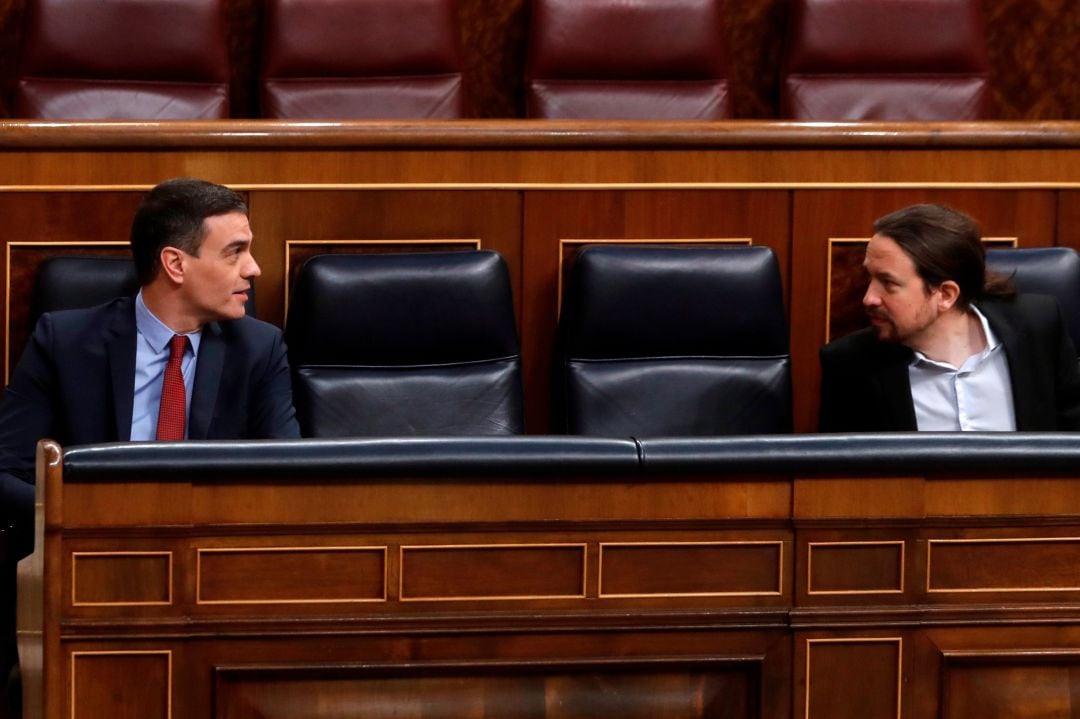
(988, 453)
(255, 459)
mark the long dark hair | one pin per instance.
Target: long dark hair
(945, 245)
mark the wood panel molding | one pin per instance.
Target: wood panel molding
(491, 572)
(290, 575)
(120, 579)
(691, 569)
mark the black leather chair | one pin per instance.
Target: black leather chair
(667, 341)
(415, 344)
(1047, 271)
(68, 283)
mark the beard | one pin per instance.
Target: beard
(883, 327)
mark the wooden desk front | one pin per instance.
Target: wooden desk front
(196, 590)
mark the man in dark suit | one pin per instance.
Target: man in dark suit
(950, 347)
(180, 360)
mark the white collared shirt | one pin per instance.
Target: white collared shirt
(974, 397)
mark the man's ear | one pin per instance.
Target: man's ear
(949, 294)
(172, 264)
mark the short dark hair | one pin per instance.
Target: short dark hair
(171, 215)
(945, 245)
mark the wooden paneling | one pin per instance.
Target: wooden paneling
(853, 677)
(112, 684)
(636, 595)
(121, 578)
(37, 226)
(853, 567)
(721, 569)
(1001, 684)
(1025, 564)
(492, 572)
(267, 575)
(505, 691)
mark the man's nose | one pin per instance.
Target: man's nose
(252, 269)
(871, 298)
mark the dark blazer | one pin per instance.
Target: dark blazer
(865, 385)
(75, 384)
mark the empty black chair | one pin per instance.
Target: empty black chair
(415, 344)
(1046, 271)
(667, 341)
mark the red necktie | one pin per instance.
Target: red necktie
(173, 410)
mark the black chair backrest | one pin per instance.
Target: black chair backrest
(673, 341)
(71, 283)
(1046, 271)
(418, 344)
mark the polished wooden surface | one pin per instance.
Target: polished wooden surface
(537, 191)
(699, 595)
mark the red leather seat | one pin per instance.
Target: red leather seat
(123, 59)
(361, 59)
(627, 59)
(886, 60)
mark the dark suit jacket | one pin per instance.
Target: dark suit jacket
(75, 384)
(865, 385)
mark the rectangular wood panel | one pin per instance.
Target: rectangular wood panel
(249, 575)
(121, 684)
(673, 569)
(858, 677)
(855, 567)
(1010, 564)
(121, 578)
(493, 572)
(508, 691)
(996, 684)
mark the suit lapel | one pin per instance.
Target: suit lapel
(208, 370)
(894, 383)
(1021, 372)
(120, 349)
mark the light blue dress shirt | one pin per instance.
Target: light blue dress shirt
(974, 397)
(151, 357)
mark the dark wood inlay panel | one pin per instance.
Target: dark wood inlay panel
(1000, 685)
(984, 565)
(118, 578)
(504, 692)
(109, 685)
(853, 678)
(681, 569)
(493, 572)
(855, 567)
(294, 574)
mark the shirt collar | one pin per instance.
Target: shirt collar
(992, 343)
(156, 333)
